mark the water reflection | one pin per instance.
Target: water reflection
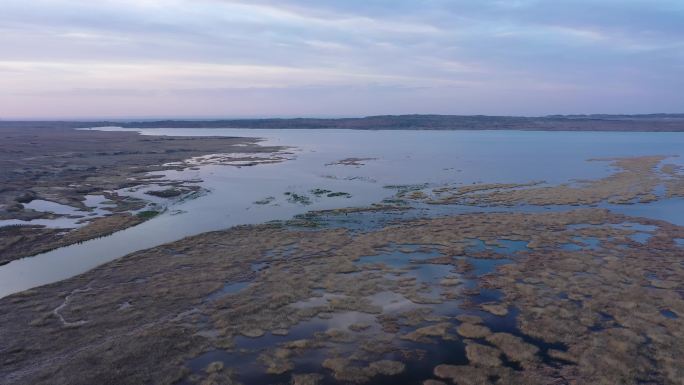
(399, 158)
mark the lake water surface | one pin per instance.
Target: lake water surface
(397, 158)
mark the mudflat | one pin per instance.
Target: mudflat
(558, 291)
(195, 311)
(64, 165)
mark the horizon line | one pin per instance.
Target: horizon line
(312, 117)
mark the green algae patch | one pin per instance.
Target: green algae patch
(265, 201)
(298, 198)
(338, 194)
(320, 191)
(168, 193)
(147, 214)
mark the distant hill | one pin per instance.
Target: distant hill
(601, 122)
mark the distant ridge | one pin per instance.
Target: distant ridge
(596, 122)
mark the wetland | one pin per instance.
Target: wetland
(229, 256)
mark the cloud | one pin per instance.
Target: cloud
(393, 51)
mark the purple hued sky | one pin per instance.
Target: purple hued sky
(252, 58)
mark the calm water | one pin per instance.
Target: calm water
(70, 216)
(401, 157)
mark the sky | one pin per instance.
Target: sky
(322, 58)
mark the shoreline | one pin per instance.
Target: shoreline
(407, 290)
(556, 123)
(77, 164)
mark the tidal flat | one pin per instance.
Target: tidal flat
(78, 170)
(462, 261)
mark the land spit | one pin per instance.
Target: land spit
(65, 166)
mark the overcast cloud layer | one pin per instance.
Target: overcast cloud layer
(226, 58)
